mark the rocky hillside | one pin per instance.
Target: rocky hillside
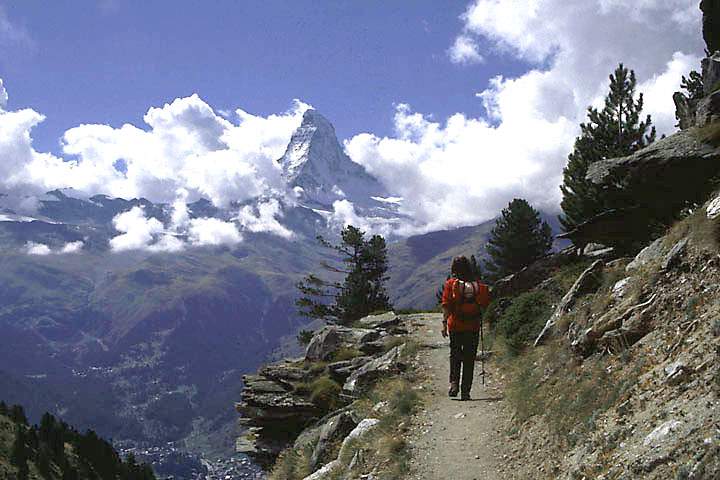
(324, 414)
(624, 378)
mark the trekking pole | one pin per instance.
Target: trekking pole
(482, 352)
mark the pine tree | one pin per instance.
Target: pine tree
(3, 408)
(20, 453)
(614, 131)
(519, 238)
(359, 284)
(17, 415)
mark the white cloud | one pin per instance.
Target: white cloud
(464, 170)
(344, 214)
(263, 218)
(465, 50)
(72, 247)
(212, 231)
(187, 147)
(33, 248)
(138, 232)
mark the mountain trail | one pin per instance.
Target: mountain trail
(451, 439)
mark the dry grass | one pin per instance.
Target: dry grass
(709, 134)
(569, 396)
(346, 353)
(292, 464)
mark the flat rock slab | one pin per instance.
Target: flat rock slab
(384, 320)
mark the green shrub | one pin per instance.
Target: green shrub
(325, 393)
(524, 319)
(346, 353)
(304, 337)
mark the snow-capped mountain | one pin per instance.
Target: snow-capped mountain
(125, 322)
(317, 168)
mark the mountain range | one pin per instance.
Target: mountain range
(147, 344)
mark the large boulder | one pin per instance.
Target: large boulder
(332, 433)
(711, 73)
(332, 338)
(360, 379)
(711, 24)
(708, 109)
(383, 320)
(336, 468)
(647, 255)
(528, 278)
(654, 185)
(713, 208)
(588, 281)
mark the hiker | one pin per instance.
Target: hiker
(463, 301)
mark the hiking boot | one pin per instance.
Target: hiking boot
(453, 391)
(465, 396)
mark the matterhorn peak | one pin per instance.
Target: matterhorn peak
(316, 166)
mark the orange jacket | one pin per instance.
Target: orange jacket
(451, 301)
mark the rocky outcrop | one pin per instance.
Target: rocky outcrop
(711, 24)
(366, 375)
(332, 338)
(383, 320)
(332, 432)
(335, 468)
(528, 278)
(277, 403)
(654, 184)
(646, 255)
(340, 371)
(272, 412)
(713, 208)
(615, 332)
(588, 281)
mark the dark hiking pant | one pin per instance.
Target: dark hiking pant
(463, 349)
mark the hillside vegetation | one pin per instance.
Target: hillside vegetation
(55, 451)
(628, 384)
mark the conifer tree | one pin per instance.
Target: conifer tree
(17, 415)
(519, 238)
(358, 286)
(614, 131)
(20, 453)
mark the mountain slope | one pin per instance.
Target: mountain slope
(420, 264)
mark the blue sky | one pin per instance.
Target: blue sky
(107, 62)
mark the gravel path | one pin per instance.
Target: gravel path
(450, 439)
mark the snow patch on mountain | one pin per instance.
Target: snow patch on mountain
(318, 170)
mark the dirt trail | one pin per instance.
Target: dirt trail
(450, 439)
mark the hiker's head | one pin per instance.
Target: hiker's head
(461, 268)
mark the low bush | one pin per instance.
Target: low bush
(523, 320)
(325, 393)
(304, 337)
(345, 353)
